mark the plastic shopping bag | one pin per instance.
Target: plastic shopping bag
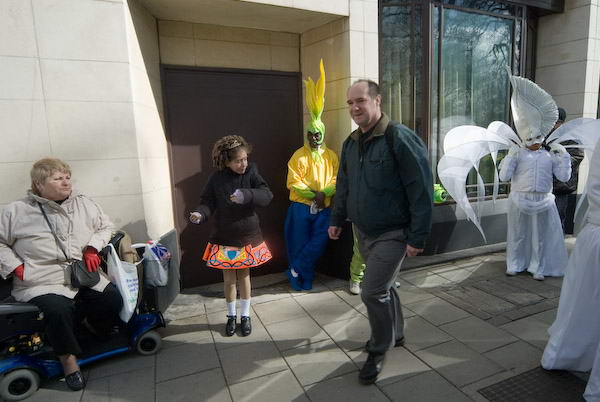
(125, 277)
(156, 259)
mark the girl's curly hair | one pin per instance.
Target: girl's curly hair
(226, 148)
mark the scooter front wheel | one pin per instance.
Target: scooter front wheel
(148, 343)
(19, 384)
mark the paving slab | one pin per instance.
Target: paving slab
(207, 386)
(297, 332)
(421, 334)
(506, 291)
(135, 385)
(185, 360)
(478, 334)
(326, 307)
(399, 365)
(279, 310)
(249, 361)
(343, 389)
(353, 300)
(281, 386)
(526, 281)
(55, 391)
(426, 280)
(350, 334)
(532, 309)
(318, 361)
(458, 363)
(412, 294)
(437, 311)
(479, 299)
(530, 330)
(429, 386)
(120, 364)
(517, 356)
(188, 330)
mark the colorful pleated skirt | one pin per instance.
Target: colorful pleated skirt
(228, 257)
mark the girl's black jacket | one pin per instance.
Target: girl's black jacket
(234, 224)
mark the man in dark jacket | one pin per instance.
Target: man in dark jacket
(384, 186)
(561, 190)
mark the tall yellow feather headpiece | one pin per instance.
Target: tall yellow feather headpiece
(315, 102)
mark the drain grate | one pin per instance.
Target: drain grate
(537, 385)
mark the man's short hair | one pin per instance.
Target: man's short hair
(373, 87)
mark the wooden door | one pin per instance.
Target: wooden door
(203, 105)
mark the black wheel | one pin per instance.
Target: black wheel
(149, 343)
(19, 384)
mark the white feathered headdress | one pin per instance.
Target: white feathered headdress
(534, 113)
(533, 109)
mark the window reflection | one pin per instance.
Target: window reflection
(471, 81)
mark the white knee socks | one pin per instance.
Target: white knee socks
(245, 307)
(231, 308)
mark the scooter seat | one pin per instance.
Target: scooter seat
(17, 308)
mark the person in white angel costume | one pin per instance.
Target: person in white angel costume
(575, 335)
(535, 241)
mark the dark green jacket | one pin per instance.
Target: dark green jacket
(376, 195)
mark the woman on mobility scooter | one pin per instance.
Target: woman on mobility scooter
(40, 235)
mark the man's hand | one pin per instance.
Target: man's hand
(410, 250)
(91, 259)
(320, 199)
(334, 232)
(18, 271)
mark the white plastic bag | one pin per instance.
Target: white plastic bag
(156, 260)
(125, 277)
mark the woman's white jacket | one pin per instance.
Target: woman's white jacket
(25, 238)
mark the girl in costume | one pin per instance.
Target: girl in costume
(236, 243)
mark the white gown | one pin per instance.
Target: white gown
(535, 240)
(574, 342)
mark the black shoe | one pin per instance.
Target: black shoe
(399, 342)
(230, 326)
(245, 325)
(371, 369)
(75, 381)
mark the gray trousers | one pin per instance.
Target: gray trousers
(383, 257)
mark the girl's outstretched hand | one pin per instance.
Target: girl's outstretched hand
(237, 197)
(196, 217)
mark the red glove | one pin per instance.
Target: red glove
(18, 271)
(91, 258)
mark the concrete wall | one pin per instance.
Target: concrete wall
(349, 48)
(568, 57)
(70, 88)
(153, 158)
(568, 61)
(204, 45)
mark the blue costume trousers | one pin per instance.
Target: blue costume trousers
(305, 238)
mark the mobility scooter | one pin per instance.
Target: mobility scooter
(26, 359)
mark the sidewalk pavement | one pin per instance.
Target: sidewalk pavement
(467, 326)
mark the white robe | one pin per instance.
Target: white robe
(535, 240)
(574, 342)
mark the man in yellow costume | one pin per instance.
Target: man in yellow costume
(312, 172)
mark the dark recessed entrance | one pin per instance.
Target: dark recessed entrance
(202, 105)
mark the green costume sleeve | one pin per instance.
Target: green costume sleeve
(329, 190)
(304, 192)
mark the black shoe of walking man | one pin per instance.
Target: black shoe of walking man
(371, 369)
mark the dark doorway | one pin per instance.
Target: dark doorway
(203, 105)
